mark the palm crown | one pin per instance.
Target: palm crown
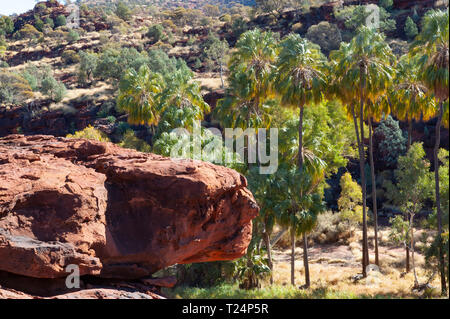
(300, 78)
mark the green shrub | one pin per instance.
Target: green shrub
(111, 119)
(52, 88)
(6, 25)
(49, 21)
(390, 141)
(70, 57)
(72, 36)
(129, 140)
(155, 33)
(90, 133)
(326, 35)
(386, 3)
(39, 24)
(14, 89)
(60, 21)
(411, 29)
(122, 11)
(35, 75)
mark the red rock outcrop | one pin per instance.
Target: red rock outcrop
(92, 293)
(116, 213)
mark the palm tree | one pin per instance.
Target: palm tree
(299, 190)
(300, 203)
(249, 100)
(249, 97)
(408, 97)
(299, 78)
(138, 95)
(363, 67)
(238, 109)
(432, 46)
(181, 92)
(300, 81)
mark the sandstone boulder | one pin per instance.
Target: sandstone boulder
(116, 213)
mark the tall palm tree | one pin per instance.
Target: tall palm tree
(432, 46)
(364, 67)
(138, 95)
(255, 56)
(249, 100)
(300, 81)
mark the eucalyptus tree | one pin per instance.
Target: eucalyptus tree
(432, 45)
(364, 67)
(413, 188)
(409, 100)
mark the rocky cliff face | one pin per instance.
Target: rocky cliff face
(116, 213)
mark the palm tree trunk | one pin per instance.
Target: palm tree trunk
(374, 191)
(438, 199)
(300, 168)
(300, 139)
(408, 146)
(408, 268)
(221, 75)
(411, 223)
(365, 254)
(361, 155)
(305, 260)
(355, 122)
(293, 255)
(269, 254)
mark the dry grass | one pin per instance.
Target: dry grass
(336, 266)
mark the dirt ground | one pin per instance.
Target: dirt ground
(336, 266)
